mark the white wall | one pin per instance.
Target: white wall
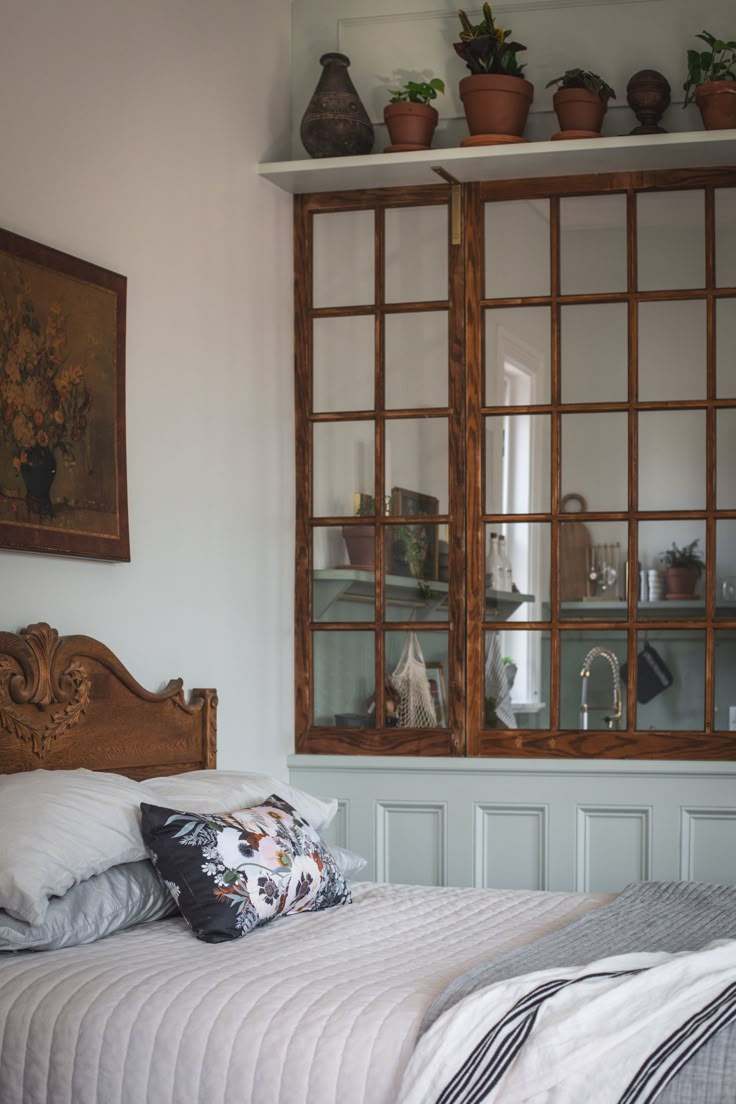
(131, 131)
(390, 41)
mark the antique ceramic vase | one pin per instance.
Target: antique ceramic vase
(335, 123)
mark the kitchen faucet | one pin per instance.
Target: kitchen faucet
(613, 718)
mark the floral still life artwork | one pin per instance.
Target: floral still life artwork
(62, 403)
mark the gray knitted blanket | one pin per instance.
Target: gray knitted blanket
(646, 916)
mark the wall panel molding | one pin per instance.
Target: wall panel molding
(411, 839)
(602, 835)
(523, 858)
(697, 843)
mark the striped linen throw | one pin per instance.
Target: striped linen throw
(615, 1031)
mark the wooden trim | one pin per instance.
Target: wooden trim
(475, 533)
(303, 660)
(457, 266)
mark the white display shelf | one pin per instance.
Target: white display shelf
(334, 583)
(690, 149)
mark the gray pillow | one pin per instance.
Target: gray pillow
(350, 862)
(105, 903)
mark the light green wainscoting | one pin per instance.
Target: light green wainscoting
(529, 824)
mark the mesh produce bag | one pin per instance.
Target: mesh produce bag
(416, 708)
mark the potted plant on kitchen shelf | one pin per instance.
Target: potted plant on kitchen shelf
(360, 539)
(410, 117)
(580, 103)
(496, 97)
(711, 82)
(682, 569)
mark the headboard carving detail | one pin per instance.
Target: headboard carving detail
(70, 702)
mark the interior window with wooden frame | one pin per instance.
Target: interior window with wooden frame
(516, 468)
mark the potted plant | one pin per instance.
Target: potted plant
(409, 115)
(682, 569)
(360, 539)
(581, 101)
(496, 97)
(711, 82)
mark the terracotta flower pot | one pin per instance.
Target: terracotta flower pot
(717, 103)
(579, 109)
(681, 582)
(410, 124)
(496, 104)
(360, 543)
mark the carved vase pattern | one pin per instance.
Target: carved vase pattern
(335, 123)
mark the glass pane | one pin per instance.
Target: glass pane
(417, 566)
(595, 459)
(593, 244)
(343, 250)
(726, 459)
(343, 466)
(672, 460)
(672, 350)
(671, 240)
(725, 708)
(726, 237)
(517, 571)
(416, 254)
(344, 678)
(663, 592)
(595, 353)
(517, 464)
(517, 248)
(726, 348)
(417, 465)
(593, 569)
(516, 679)
(344, 361)
(518, 356)
(416, 359)
(670, 673)
(596, 690)
(429, 708)
(343, 575)
(726, 568)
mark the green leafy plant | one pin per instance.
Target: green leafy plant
(364, 505)
(420, 92)
(485, 48)
(687, 556)
(416, 545)
(583, 78)
(716, 63)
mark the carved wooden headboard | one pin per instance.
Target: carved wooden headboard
(67, 701)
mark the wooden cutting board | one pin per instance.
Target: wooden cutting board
(575, 552)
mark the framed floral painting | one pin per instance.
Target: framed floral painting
(62, 404)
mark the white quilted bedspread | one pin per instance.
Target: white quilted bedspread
(312, 1009)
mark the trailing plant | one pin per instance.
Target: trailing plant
(420, 92)
(485, 48)
(716, 63)
(687, 556)
(583, 78)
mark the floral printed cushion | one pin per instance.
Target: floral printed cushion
(229, 873)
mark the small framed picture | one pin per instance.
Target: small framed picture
(415, 547)
(436, 676)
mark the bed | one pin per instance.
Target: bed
(318, 1007)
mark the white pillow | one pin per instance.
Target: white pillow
(60, 827)
(216, 791)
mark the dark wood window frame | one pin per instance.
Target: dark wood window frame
(466, 625)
